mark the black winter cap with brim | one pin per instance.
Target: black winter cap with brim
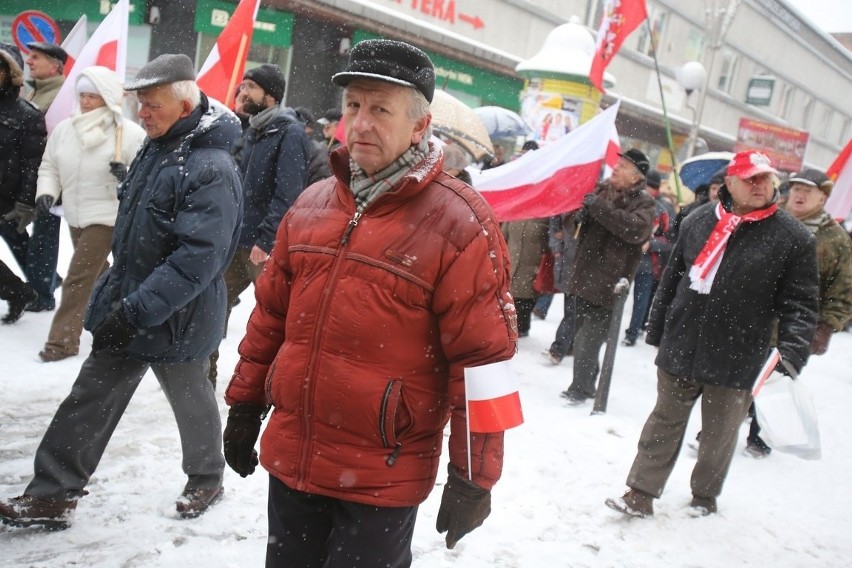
(391, 61)
(12, 57)
(165, 69)
(49, 49)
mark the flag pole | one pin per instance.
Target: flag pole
(229, 99)
(675, 173)
(467, 422)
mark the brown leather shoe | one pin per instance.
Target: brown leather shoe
(49, 355)
(702, 506)
(193, 503)
(634, 503)
(26, 511)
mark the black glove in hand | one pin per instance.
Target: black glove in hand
(464, 507)
(22, 215)
(43, 204)
(589, 198)
(114, 334)
(786, 369)
(241, 433)
(119, 170)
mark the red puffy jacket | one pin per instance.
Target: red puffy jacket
(362, 330)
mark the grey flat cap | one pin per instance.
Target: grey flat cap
(165, 69)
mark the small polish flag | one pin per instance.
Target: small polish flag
(555, 179)
(493, 401)
(766, 370)
(839, 203)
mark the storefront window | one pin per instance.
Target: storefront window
(728, 71)
(659, 19)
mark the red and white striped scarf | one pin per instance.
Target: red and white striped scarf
(706, 264)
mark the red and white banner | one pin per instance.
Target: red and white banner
(74, 42)
(554, 179)
(493, 401)
(620, 18)
(107, 47)
(223, 70)
(839, 203)
(766, 370)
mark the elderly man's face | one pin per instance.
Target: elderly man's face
(625, 174)
(804, 200)
(41, 66)
(159, 109)
(378, 126)
(751, 193)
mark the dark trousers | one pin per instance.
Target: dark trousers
(524, 308)
(590, 335)
(563, 343)
(11, 287)
(643, 287)
(42, 257)
(313, 531)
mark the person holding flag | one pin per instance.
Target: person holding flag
(365, 327)
(738, 266)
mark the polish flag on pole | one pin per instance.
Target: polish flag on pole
(620, 18)
(223, 70)
(74, 42)
(766, 370)
(839, 203)
(107, 47)
(493, 402)
(552, 180)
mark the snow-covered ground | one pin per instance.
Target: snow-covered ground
(547, 510)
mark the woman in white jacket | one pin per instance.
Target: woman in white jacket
(83, 163)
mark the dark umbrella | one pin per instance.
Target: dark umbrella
(502, 123)
(698, 170)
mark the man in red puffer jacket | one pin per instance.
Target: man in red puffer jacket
(385, 282)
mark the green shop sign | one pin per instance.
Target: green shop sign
(493, 89)
(271, 26)
(63, 10)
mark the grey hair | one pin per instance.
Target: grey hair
(186, 91)
(455, 157)
(420, 108)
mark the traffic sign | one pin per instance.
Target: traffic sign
(32, 25)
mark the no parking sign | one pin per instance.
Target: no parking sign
(32, 25)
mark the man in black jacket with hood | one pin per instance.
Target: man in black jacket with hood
(737, 266)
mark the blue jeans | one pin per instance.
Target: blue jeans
(643, 285)
(42, 257)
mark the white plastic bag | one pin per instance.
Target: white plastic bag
(787, 417)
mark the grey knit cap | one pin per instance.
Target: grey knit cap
(165, 69)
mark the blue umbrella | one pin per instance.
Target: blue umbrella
(699, 169)
(502, 123)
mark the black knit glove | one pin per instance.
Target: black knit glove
(241, 433)
(114, 334)
(118, 170)
(22, 215)
(43, 204)
(464, 507)
(786, 369)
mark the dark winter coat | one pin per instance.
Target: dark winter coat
(318, 166)
(176, 231)
(613, 229)
(768, 271)
(274, 166)
(22, 140)
(563, 245)
(527, 242)
(362, 330)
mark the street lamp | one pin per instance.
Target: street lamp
(693, 77)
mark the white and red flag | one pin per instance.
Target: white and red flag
(107, 47)
(74, 42)
(554, 179)
(493, 401)
(839, 203)
(620, 18)
(766, 370)
(223, 70)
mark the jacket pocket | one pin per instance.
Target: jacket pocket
(394, 419)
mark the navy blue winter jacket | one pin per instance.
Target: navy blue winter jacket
(176, 232)
(274, 166)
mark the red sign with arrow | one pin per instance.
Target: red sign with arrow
(444, 10)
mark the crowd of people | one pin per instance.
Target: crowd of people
(390, 246)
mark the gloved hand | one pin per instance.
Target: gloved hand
(43, 204)
(819, 344)
(22, 214)
(114, 334)
(241, 433)
(119, 170)
(588, 199)
(464, 507)
(786, 369)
